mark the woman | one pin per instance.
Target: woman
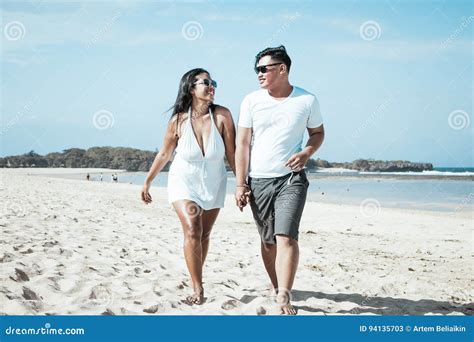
(201, 133)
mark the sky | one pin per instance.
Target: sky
(393, 78)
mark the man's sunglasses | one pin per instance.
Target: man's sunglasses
(264, 68)
(207, 83)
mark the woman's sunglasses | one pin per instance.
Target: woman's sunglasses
(207, 83)
(264, 68)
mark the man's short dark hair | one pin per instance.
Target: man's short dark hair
(277, 53)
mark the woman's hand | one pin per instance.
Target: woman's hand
(146, 197)
(242, 196)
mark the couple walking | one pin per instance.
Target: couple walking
(267, 158)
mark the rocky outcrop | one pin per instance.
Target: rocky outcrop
(384, 166)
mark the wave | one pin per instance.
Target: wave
(342, 171)
(422, 173)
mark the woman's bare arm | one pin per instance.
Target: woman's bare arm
(164, 155)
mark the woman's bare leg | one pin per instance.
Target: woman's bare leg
(189, 214)
(208, 220)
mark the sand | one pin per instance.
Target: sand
(92, 248)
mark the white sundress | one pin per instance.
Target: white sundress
(197, 177)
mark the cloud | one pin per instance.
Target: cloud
(46, 32)
(397, 50)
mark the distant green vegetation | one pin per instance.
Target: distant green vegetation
(123, 158)
(131, 159)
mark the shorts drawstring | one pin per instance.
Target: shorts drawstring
(289, 179)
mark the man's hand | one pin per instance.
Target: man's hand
(242, 196)
(297, 161)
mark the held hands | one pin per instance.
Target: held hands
(242, 196)
(297, 161)
(146, 197)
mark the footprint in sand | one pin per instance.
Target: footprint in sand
(54, 283)
(108, 312)
(7, 257)
(152, 309)
(10, 295)
(20, 275)
(182, 285)
(230, 304)
(28, 251)
(29, 294)
(101, 295)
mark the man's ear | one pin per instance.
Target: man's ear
(283, 69)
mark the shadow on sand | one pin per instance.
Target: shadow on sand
(383, 305)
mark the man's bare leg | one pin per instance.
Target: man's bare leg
(286, 263)
(269, 252)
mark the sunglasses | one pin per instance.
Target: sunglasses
(207, 83)
(264, 68)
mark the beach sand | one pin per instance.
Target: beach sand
(92, 248)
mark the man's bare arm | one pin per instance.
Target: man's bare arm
(316, 137)
(242, 157)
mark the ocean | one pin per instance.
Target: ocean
(443, 189)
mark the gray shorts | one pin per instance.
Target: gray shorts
(277, 204)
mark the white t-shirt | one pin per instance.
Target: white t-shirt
(277, 128)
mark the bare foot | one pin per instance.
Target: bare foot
(196, 298)
(288, 309)
(283, 300)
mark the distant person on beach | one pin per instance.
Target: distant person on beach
(114, 177)
(201, 133)
(88, 177)
(101, 177)
(270, 164)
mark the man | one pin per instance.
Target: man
(270, 164)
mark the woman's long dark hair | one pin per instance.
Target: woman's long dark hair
(184, 98)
